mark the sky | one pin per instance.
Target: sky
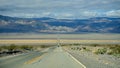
(61, 9)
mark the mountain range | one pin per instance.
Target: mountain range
(52, 25)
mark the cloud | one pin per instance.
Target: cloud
(63, 15)
(113, 13)
(89, 13)
(59, 8)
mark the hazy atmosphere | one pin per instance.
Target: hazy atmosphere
(59, 33)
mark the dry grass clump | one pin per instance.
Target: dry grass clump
(15, 49)
(109, 49)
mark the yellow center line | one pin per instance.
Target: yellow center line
(34, 59)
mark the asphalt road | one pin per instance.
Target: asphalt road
(54, 57)
(18, 61)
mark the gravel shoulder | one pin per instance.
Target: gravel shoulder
(91, 60)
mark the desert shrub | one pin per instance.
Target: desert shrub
(116, 55)
(94, 45)
(26, 47)
(44, 46)
(109, 52)
(3, 47)
(63, 45)
(76, 44)
(87, 49)
(115, 50)
(11, 47)
(83, 48)
(101, 51)
(0, 49)
(73, 48)
(76, 48)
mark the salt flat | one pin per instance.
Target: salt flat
(32, 38)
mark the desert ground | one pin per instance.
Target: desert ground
(51, 41)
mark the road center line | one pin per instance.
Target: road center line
(34, 59)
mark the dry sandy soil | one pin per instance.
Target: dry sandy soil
(46, 41)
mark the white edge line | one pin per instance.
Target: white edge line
(76, 60)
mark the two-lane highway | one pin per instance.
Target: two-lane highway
(54, 57)
(57, 58)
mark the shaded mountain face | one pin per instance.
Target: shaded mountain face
(51, 25)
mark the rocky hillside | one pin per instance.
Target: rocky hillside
(51, 25)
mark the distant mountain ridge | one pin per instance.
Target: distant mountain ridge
(52, 25)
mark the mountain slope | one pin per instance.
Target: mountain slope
(51, 25)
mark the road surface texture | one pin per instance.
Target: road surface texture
(17, 61)
(54, 57)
